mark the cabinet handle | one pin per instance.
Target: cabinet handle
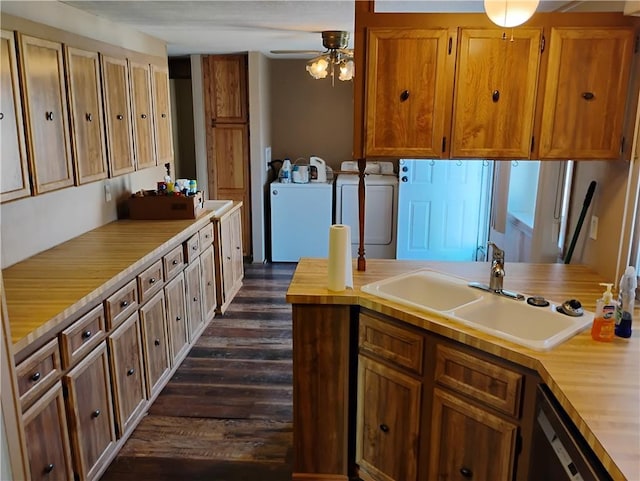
(157, 342)
(588, 95)
(466, 472)
(175, 262)
(130, 372)
(49, 116)
(48, 468)
(384, 428)
(95, 413)
(228, 258)
(163, 115)
(86, 335)
(89, 117)
(1, 116)
(152, 280)
(195, 248)
(209, 283)
(119, 117)
(195, 299)
(124, 303)
(143, 116)
(178, 318)
(404, 95)
(495, 95)
(36, 376)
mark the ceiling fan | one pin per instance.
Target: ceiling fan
(336, 55)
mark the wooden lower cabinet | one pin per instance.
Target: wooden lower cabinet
(468, 442)
(193, 294)
(229, 259)
(177, 318)
(155, 344)
(90, 413)
(388, 422)
(207, 268)
(127, 374)
(45, 427)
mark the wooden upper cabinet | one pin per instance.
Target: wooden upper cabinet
(46, 118)
(162, 113)
(143, 139)
(408, 91)
(585, 93)
(85, 102)
(231, 143)
(117, 109)
(225, 79)
(494, 104)
(14, 174)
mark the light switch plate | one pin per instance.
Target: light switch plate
(593, 229)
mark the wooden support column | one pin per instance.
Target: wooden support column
(362, 263)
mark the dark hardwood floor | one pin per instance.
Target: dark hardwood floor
(226, 415)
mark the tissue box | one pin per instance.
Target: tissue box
(166, 207)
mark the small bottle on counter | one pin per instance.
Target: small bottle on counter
(605, 318)
(193, 187)
(626, 302)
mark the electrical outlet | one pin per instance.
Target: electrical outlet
(267, 157)
(593, 229)
(107, 192)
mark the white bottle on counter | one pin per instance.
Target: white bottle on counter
(285, 172)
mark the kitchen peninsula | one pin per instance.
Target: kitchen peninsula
(338, 336)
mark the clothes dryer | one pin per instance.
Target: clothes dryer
(381, 207)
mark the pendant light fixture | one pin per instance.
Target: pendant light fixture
(510, 13)
(336, 61)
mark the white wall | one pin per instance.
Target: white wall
(34, 224)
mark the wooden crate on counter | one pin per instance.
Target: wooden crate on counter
(166, 207)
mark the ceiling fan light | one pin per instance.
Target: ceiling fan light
(510, 13)
(346, 70)
(318, 67)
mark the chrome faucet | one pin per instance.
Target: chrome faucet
(496, 276)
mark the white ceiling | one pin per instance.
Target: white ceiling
(229, 26)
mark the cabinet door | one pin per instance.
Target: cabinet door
(155, 343)
(237, 266)
(46, 118)
(227, 247)
(409, 88)
(117, 107)
(585, 93)
(207, 268)
(14, 175)
(225, 80)
(45, 428)
(496, 80)
(91, 413)
(161, 114)
(143, 139)
(388, 422)
(85, 101)
(468, 442)
(127, 373)
(194, 306)
(177, 317)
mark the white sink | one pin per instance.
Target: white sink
(538, 328)
(217, 206)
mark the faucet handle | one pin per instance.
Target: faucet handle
(498, 254)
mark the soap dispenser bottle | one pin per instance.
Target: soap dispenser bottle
(605, 319)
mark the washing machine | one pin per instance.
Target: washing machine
(381, 207)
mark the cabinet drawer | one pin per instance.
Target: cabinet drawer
(82, 336)
(400, 346)
(121, 304)
(206, 236)
(37, 372)
(192, 248)
(150, 281)
(173, 262)
(494, 385)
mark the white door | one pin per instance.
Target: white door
(443, 209)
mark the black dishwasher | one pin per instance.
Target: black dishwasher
(558, 450)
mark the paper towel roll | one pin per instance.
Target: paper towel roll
(340, 269)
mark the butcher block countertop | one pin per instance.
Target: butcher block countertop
(597, 383)
(61, 283)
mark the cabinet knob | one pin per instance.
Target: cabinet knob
(35, 377)
(119, 117)
(195, 248)
(163, 115)
(384, 428)
(178, 318)
(466, 472)
(495, 95)
(86, 335)
(48, 468)
(209, 283)
(95, 413)
(143, 116)
(1, 116)
(124, 303)
(89, 117)
(152, 280)
(588, 95)
(49, 116)
(404, 95)
(175, 262)
(195, 299)
(130, 372)
(157, 342)
(405, 178)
